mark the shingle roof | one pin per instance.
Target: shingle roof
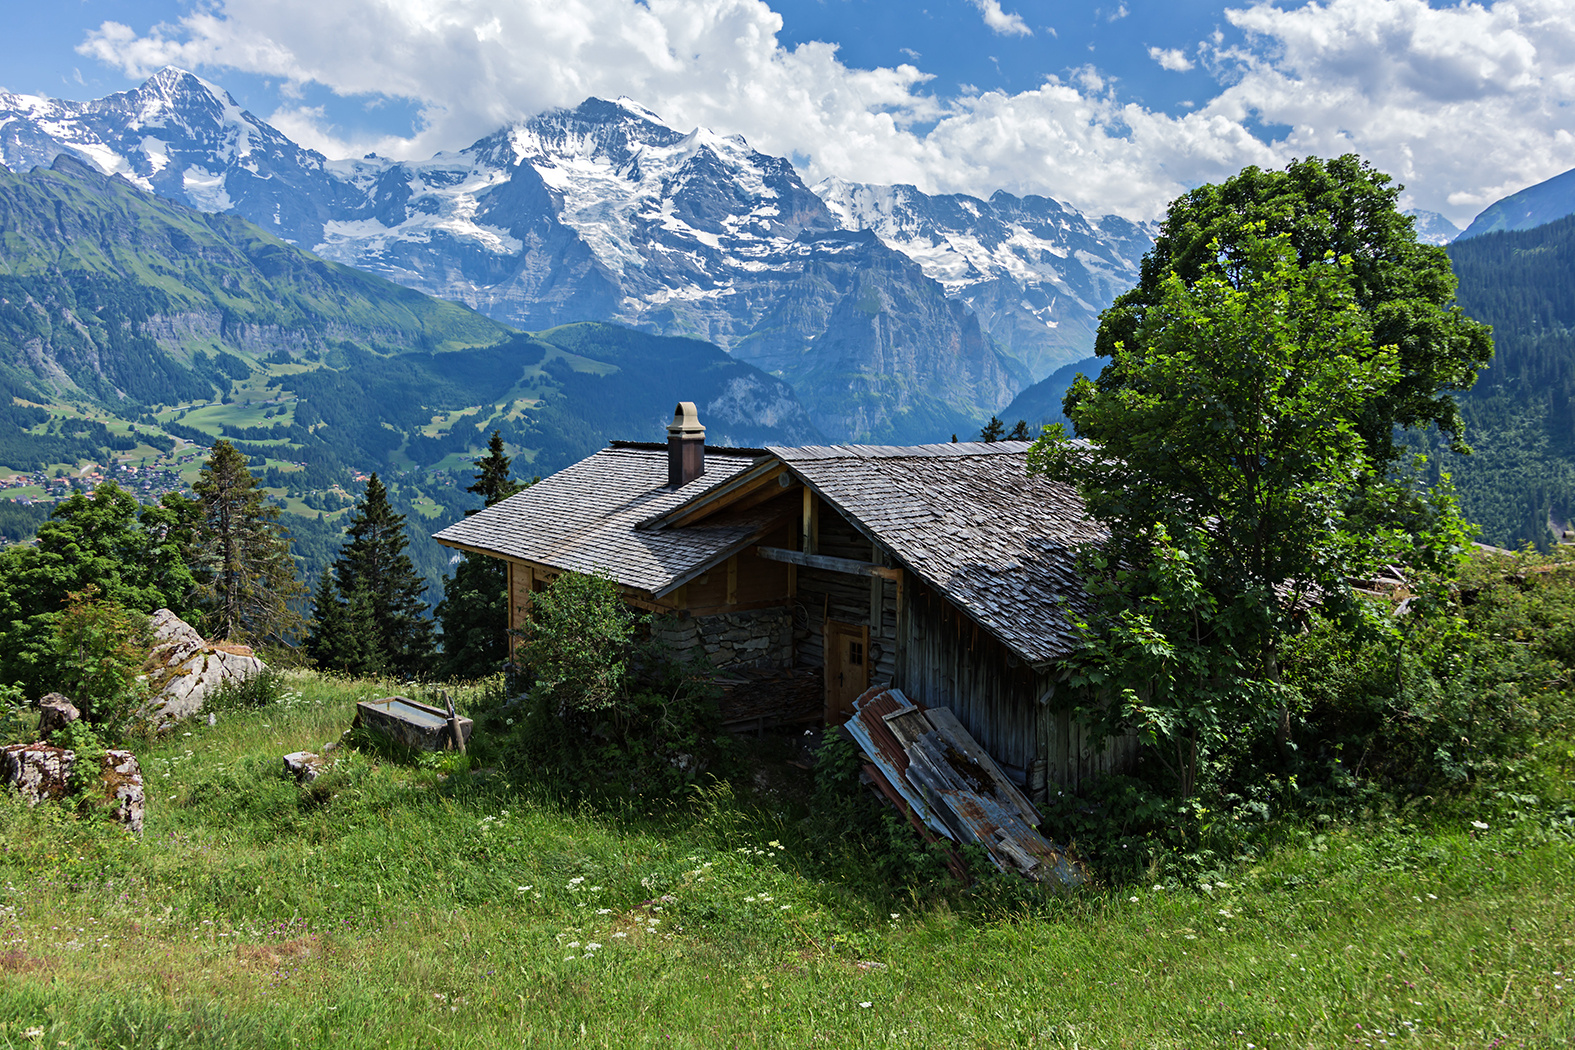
(582, 518)
(971, 522)
(966, 517)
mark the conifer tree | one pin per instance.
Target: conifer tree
(246, 582)
(992, 431)
(371, 617)
(474, 609)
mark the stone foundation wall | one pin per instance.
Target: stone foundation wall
(758, 639)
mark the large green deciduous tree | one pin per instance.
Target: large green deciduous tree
(1341, 209)
(371, 617)
(1239, 444)
(474, 610)
(246, 579)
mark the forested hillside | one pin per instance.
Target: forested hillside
(133, 328)
(1519, 483)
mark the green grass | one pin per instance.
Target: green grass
(434, 905)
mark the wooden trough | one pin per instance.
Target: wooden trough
(418, 725)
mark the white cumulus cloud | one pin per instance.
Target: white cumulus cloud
(1463, 103)
(1171, 58)
(1000, 21)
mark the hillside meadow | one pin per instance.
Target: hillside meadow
(428, 903)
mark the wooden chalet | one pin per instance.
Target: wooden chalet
(943, 570)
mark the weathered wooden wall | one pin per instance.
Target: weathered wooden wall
(946, 659)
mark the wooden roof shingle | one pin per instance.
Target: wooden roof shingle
(582, 519)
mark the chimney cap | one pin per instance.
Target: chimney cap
(686, 421)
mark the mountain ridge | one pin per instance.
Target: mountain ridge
(604, 212)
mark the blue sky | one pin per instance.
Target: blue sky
(1113, 107)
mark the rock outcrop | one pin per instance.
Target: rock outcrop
(42, 772)
(183, 669)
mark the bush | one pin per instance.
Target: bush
(101, 647)
(1451, 693)
(609, 708)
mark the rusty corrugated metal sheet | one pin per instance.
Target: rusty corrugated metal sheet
(953, 786)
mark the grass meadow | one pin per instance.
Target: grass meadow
(434, 905)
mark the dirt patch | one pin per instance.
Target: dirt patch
(18, 961)
(277, 954)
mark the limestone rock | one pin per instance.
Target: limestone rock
(41, 772)
(304, 766)
(56, 712)
(183, 669)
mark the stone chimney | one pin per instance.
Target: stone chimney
(685, 446)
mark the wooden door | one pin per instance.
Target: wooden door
(847, 668)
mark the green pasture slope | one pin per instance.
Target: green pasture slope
(432, 905)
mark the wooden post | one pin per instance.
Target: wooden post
(453, 723)
(877, 586)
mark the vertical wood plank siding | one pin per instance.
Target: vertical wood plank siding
(946, 660)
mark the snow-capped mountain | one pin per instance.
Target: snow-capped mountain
(1433, 228)
(183, 138)
(1037, 272)
(894, 315)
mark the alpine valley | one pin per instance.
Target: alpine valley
(894, 315)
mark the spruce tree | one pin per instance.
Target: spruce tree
(246, 583)
(371, 617)
(474, 609)
(992, 431)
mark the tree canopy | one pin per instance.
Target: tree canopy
(246, 576)
(1340, 209)
(106, 544)
(474, 610)
(371, 617)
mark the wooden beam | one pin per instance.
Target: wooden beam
(821, 561)
(806, 532)
(732, 580)
(737, 494)
(877, 592)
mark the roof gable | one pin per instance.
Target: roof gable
(971, 521)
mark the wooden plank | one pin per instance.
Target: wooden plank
(732, 580)
(821, 561)
(806, 532)
(949, 727)
(714, 610)
(877, 586)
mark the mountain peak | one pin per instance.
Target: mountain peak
(174, 85)
(625, 102)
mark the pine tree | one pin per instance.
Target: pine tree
(992, 431)
(328, 641)
(474, 609)
(493, 483)
(1020, 432)
(370, 617)
(246, 582)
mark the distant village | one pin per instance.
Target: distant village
(147, 483)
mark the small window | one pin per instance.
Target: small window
(856, 653)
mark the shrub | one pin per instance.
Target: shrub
(610, 709)
(101, 647)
